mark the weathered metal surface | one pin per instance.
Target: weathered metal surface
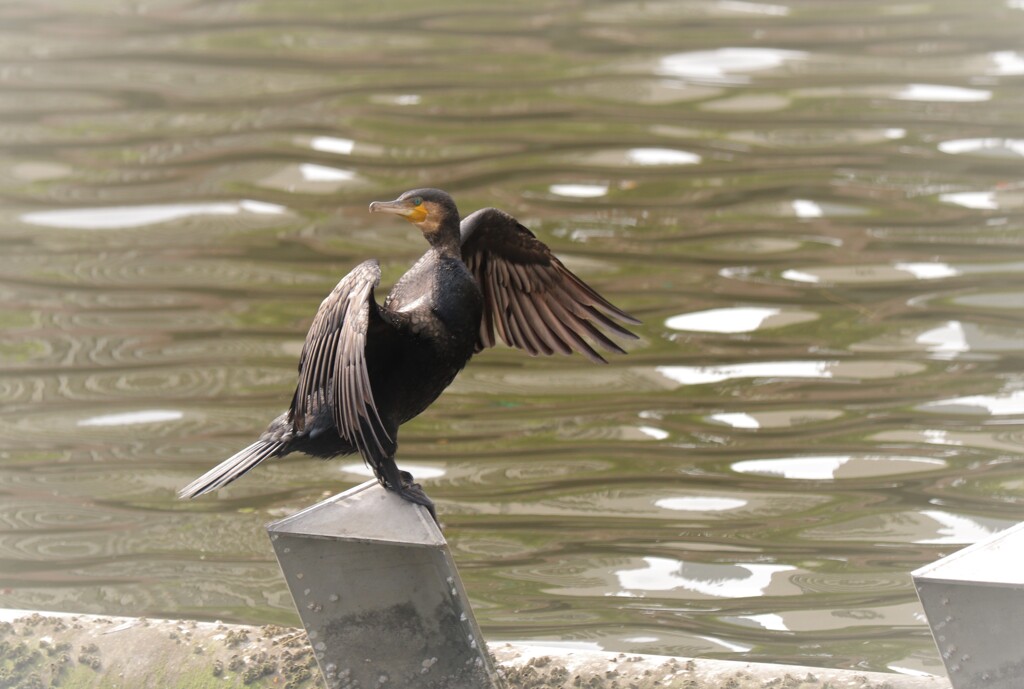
(974, 601)
(378, 593)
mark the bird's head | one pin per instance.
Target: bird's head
(431, 210)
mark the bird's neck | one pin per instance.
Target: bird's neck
(446, 241)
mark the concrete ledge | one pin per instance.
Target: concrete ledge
(85, 652)
(537, 667)
(92, 652)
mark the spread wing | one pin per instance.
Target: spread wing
(332, 368)
(532, 300)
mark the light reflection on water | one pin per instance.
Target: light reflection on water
(133, 417)
(815, 208)
(836, 466)
(990, 146)
(122, 217)
(1009, 404)
(725, 65)
(741, 580)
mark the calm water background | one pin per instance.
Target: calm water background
(815, 207)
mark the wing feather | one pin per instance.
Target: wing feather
(486, 338)
(569, 321)
(561, 336)
(500, 306)
(333, 367)
(533, 342)
(531, 299)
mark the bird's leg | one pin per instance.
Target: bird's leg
(401, 482)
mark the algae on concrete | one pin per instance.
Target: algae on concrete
(87, 652)
(38, 651)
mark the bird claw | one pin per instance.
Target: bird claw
(413, 492)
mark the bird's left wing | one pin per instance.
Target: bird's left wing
(532, 300)
(332, 367)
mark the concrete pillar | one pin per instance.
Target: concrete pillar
(377, 590)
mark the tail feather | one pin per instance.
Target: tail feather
(231, 468)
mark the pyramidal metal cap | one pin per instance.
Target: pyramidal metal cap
(366, 513)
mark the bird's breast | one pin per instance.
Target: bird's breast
(458, 304)
(440, 303)
(417, 303)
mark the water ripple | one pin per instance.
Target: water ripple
(814, 208)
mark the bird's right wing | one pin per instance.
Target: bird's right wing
(332, 367)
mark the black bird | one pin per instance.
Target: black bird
(366, 369)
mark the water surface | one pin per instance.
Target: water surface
(815, 208)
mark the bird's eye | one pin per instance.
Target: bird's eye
(417, 201)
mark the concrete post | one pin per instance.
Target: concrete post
(378, 593)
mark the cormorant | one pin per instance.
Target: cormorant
(366, 369)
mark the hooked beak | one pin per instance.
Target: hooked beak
(402, 207)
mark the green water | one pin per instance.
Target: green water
(815, 208)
